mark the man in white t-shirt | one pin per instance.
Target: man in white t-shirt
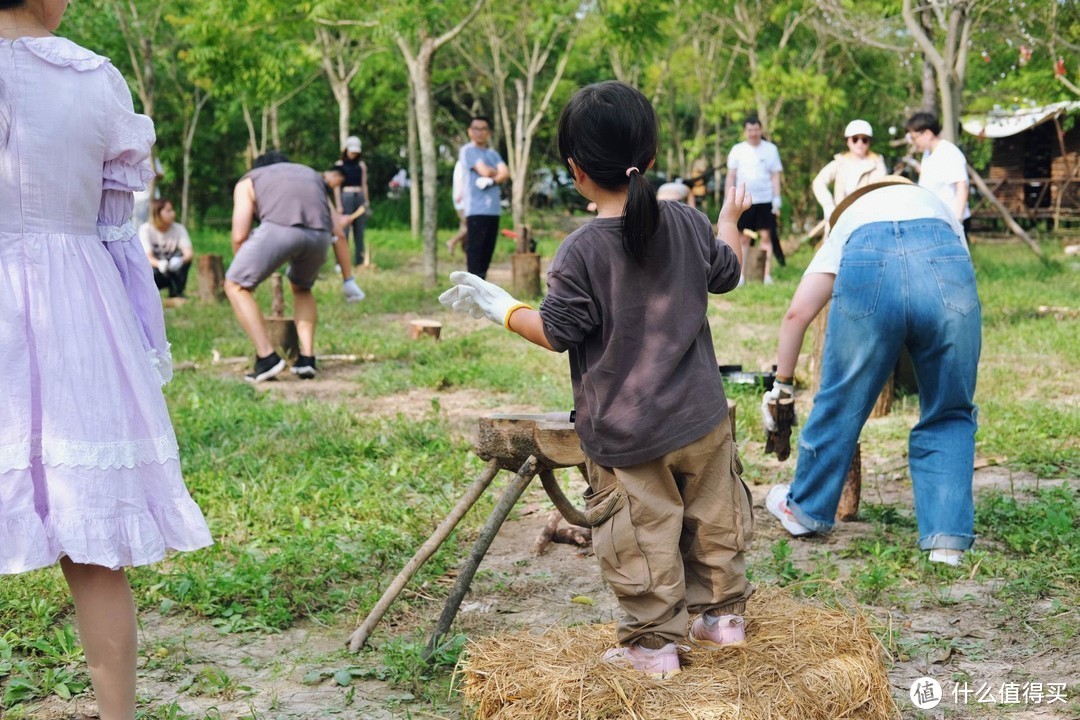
(897, 269)
(943, 169)
(756, 164)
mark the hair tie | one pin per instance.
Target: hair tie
(630, 170)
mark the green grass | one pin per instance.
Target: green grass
(315, 504)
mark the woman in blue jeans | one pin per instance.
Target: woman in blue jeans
(897, 268)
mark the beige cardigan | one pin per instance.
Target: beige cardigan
(846, 173)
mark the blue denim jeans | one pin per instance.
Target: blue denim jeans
(910, 284)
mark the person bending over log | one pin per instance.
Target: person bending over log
(898, 271)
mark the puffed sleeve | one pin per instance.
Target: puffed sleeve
(126, 169)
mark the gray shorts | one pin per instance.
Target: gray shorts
(269, 246)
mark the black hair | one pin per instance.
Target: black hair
(485, 118)
(336, 169)
(9, 4)
(609, 129)
(270, 157)
(350, 160)
(923, 121)
(751, 120)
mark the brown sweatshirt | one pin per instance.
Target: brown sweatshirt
(642, 363)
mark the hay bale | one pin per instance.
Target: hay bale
(800, 661)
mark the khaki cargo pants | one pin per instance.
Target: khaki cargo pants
(670, 536)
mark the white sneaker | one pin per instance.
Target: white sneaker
(768, 280)
(742, 281)
(776, 503)
(353, 293)
(947, 556)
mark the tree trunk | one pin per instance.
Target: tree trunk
(425, 118)
(414, 166)
(191, 123)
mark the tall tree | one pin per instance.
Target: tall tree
(414, 27)
(528, 48)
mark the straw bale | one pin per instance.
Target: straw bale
(801, 661)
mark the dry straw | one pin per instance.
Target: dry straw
(801, 661)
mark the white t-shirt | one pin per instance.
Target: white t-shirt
(754, 166)
(887, 204)
(458, 186)
(941, 170)
(164, 245)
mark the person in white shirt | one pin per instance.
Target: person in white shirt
(167, 246)
(897, 269)
(755, 163)
(943, 170)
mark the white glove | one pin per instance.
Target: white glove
(175, 263)
(479, 298)
(776, 204)
(779, 390)
(163, 266)
(484, 183)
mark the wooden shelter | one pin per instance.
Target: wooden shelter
(1035, 166)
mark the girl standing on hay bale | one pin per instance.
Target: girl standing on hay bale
(627, 298)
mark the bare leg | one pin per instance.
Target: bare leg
(766, 245)
(305, 313)
(105, 614)
(249, 316)
(745, 252)
(341, 256)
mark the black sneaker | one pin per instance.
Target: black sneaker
(265, 368)
(304, 367)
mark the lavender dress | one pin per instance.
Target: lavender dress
(89, 466)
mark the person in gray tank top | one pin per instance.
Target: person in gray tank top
(296, 226)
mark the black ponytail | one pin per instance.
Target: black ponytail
(611, 132)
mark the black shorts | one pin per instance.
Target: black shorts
(758, 217)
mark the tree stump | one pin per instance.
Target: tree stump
(754, 264)
(425, 328)
(848, 508)
(281, 329)
(211, 278)
(526, 274)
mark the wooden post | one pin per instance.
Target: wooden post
(848, 508)
(525, 264)
(821, 323)
(211, 278)
(281, 329)
(754, 264)
(425, 328)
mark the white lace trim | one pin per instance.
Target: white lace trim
(116, 233)
(15, 456)
(162, 362)
(101, 455)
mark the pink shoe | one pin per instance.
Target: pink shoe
(660, 664)
(729, 632)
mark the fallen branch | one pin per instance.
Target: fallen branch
(986, 193)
